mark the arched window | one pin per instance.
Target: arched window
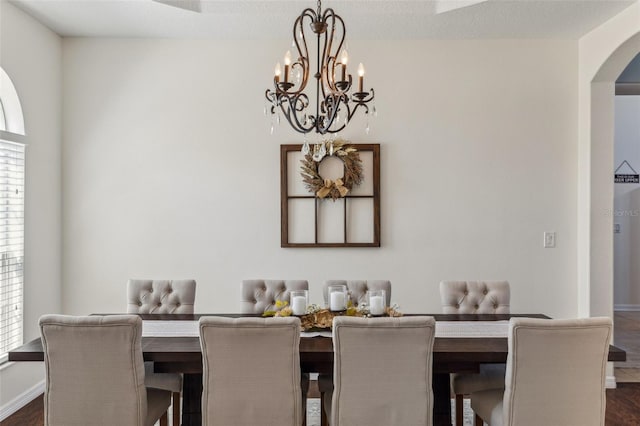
(12, 152)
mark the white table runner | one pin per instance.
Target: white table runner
(463, 329)
(157, 328)
(451, 329)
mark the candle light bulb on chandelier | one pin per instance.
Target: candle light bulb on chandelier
(287, 64)
(360, 77)
(344, 57)
(277, 72)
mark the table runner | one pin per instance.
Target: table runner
(448, 329)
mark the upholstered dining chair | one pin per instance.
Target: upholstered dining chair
(475, 297)
(555, 375)
(261, 295)
(95, 374)
(251, 371)
(357, 290)
(382, 371)
(162, 297)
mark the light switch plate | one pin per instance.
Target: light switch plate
(549, 240)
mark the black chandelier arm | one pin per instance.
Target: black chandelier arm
(329, 56)
(294, 106)
(361, 103)
(330, 107)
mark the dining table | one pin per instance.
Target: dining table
(462, 343)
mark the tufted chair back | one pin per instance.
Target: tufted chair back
(161, 296)
(358, 289)
(475, 297)
(399, 393)
(261, 295)
(95, 372)
(251, 371)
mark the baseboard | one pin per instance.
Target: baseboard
(629, 308)
(610, 382)
(21, 400)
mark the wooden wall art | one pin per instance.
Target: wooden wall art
(334, 202)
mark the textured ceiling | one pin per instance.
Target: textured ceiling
(365, 19)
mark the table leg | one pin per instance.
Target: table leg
(441, 399)
(191, 399)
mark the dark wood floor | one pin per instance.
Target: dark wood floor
(623, 409)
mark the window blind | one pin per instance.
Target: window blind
(11, 244)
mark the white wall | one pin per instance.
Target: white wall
(625, 214)
(31, 55)
(169, 170)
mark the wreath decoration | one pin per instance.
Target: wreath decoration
(340, 187)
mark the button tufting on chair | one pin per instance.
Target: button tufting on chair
(261, 295)
(171, 297)
(475, 297)
(161, 296)
(358, 294)
(358, 289)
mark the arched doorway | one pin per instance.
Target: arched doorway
(604, 53)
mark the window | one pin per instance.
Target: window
(11, 243)
(12, 155)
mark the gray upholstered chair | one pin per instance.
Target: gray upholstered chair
(475, 297)
(358, 289)
(251, 371)
(259, 296)
(95, 373)
(555, 375)
(162, 297)
(382, 371)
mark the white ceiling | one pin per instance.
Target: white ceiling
(365, 19)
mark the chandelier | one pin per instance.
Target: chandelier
(335, 101)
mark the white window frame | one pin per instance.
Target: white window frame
(12, 174)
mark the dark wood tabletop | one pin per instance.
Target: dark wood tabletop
(450, 355)
(446, 350)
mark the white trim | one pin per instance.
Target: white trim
(610, 382)
(630, 308)
(21, 400)
(12, 137)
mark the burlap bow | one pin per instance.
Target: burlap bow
(329, 185)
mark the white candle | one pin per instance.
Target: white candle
(337, 302)
(299, 305)
(376, 305)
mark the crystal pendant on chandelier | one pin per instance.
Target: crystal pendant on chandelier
(335, 88)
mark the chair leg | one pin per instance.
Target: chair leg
(164, 420)
(176, 409)
(323, 414)
(459, 410)
(478, 421)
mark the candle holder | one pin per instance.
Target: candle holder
(360, 95)
(337, 297)
(285, 86)
(343, 85)
(376, 301)
(299, 302)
